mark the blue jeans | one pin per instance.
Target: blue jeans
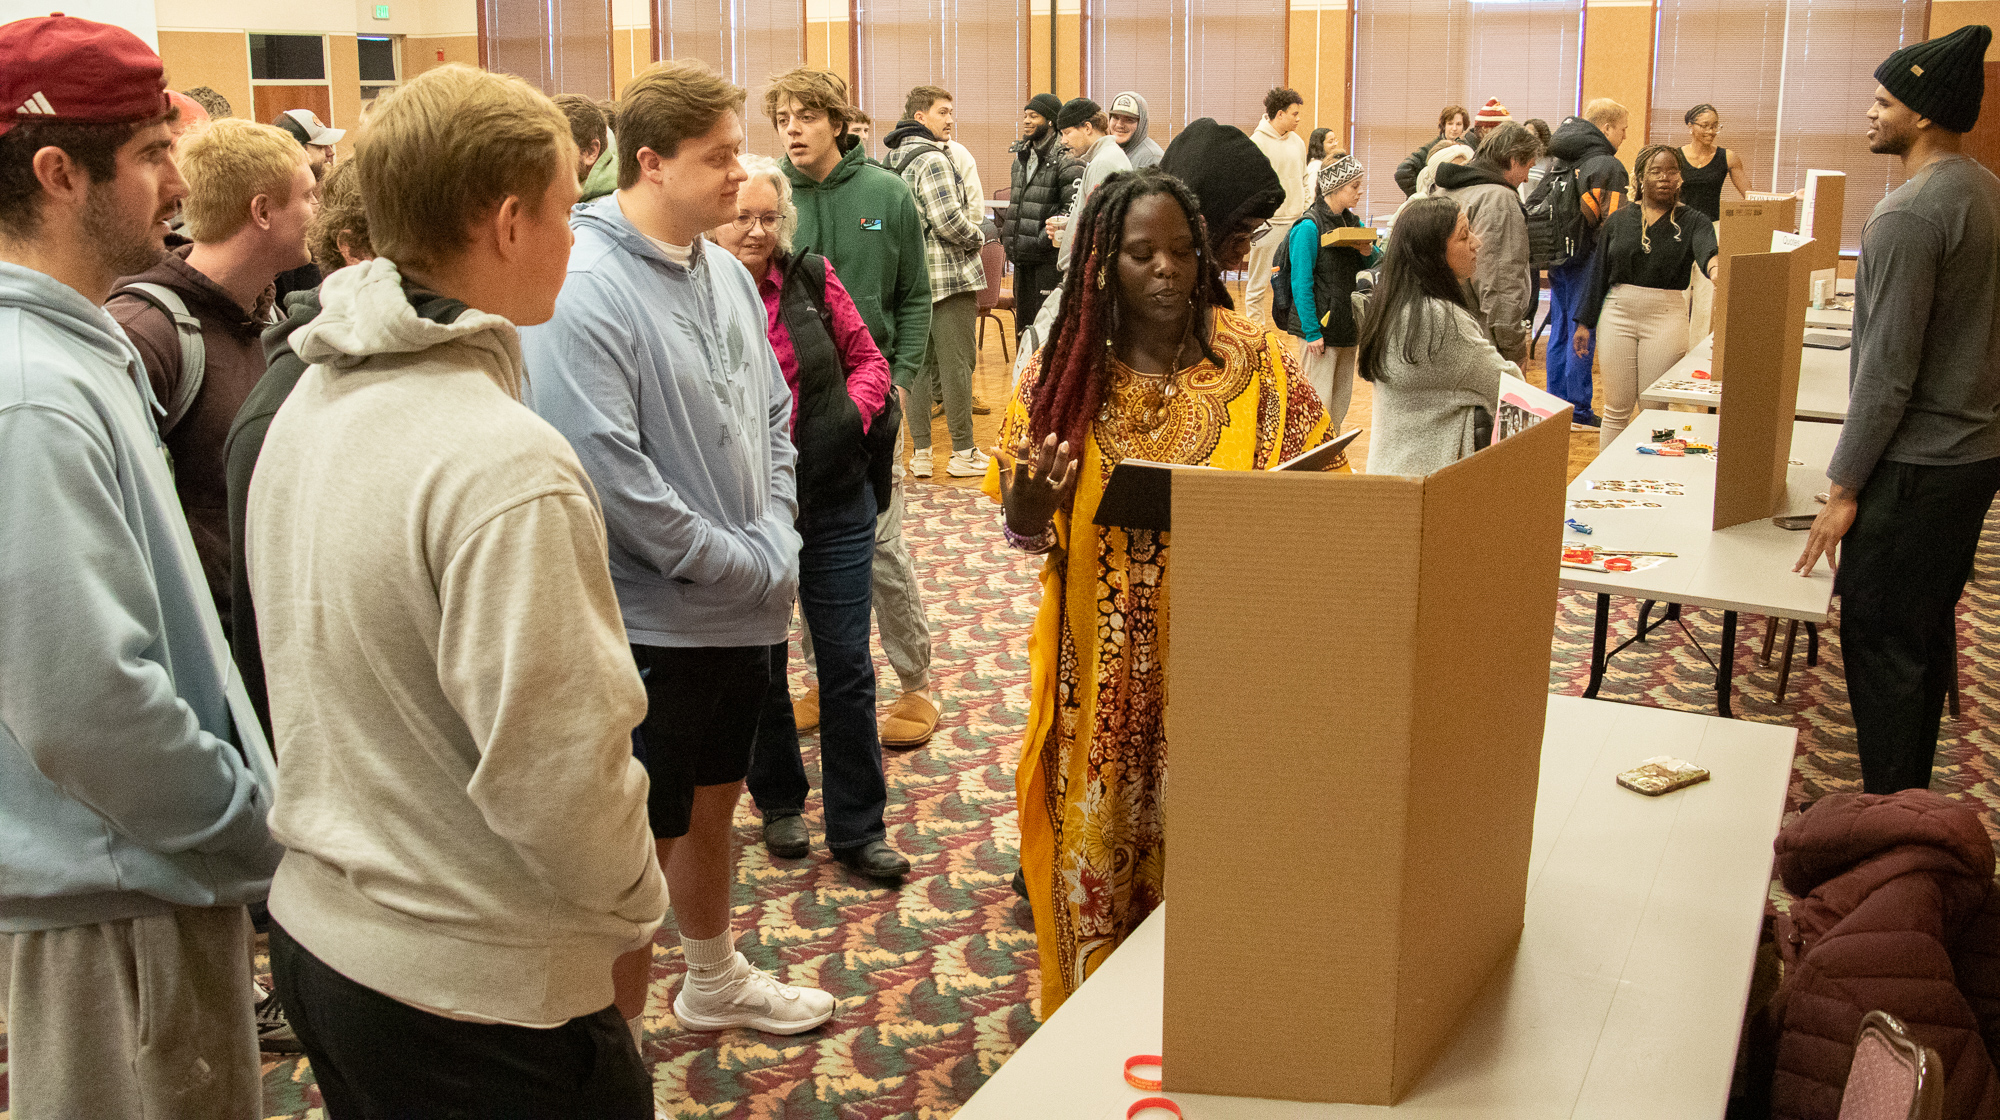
(836, 571)
(1569, 375)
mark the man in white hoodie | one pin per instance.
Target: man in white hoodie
(451, 687)
(1277, 136)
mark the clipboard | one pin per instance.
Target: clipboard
(1140, 493)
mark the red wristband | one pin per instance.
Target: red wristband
(1134, 1080)
(1160, 1103)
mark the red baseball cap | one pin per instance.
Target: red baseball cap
(60, 68)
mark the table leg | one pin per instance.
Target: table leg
(1597, 646)
(1812, 645)
(1725, 669)
(1785, 666)
(1770, 635)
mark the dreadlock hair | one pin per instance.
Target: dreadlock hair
(1415, 271)
(1073, 375)
(1674, 208)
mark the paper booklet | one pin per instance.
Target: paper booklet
(1522, 406)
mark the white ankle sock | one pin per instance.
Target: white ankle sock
(711, 961)
(637, 1025)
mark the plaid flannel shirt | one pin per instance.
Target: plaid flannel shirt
(951, 239)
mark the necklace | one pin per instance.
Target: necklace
(1156, 390)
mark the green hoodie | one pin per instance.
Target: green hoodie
(603, 177)
(862, 218)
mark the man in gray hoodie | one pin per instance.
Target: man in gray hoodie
(134, 776)
(658, 368)
(1128, 127)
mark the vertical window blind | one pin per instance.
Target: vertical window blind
(1188, 58)
(1792, 81)
(558, 46)
(1412, 58)
(747, 41)
(976, 50)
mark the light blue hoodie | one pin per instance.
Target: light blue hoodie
(663, 380)
(134, 776)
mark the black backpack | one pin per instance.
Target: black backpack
(1557, 232)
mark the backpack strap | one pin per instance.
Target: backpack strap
(194, 352)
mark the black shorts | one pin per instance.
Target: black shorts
(702, 705)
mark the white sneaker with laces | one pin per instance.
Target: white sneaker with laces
(969, 463)
(752, 998)
(920, 462)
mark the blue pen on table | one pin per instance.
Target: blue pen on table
(1578, 526)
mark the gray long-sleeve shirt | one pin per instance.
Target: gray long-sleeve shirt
(1924, 374)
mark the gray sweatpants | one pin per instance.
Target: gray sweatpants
(149, 1017)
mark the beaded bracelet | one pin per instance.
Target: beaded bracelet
(1035, 545)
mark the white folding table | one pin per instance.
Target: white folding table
(1822, 383)
(1624, 999)
(1742, 569)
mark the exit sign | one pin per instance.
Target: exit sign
(381, 11)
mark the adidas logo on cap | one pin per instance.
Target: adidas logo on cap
(37, 106)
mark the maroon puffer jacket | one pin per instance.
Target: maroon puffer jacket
(1896, 913)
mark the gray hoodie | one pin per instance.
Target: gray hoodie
(134, 776)
(1141, 151)
(1104, 159)
(663, 380)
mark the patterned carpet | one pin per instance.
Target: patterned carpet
(936, 981)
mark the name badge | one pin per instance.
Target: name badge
(874, 224)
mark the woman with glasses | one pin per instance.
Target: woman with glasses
(1704, 166)
(1637, 300)
(844, 427)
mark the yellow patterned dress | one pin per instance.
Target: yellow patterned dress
(1093, 764)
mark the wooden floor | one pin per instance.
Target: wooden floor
(992, 374)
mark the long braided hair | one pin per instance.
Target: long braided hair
(1073, 362)
(1674, 208)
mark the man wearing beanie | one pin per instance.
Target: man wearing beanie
(1918, 461)
(1277, 136)
(135, 778)
(1044, 182)
(1084, 128)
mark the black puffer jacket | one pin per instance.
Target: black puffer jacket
(1044, 182)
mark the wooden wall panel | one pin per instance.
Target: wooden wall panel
(269, 101)
(830, 46)
(1317, 63)
(1948, 16)
(219, 60)
(631, 54)
(421, 53)
(1618, 63)
(344, 72)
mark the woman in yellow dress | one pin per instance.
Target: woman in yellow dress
(1146, 361)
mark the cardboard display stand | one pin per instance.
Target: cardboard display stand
(1360, 672)
(1745, 227)
(1766, 323)
(1821, 214)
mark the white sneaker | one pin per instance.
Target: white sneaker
(969, 463)
(920, 462)
(753, 999)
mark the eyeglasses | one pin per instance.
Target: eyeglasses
(768, 222)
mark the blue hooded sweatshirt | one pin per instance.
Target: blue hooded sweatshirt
(134, 776)
(663, 380)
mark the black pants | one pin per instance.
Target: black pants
(1032, 283)
(378, 1059)
(1903, 565)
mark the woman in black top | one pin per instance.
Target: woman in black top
(1704, 166)
(1637, 301)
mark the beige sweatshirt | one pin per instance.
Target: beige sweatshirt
(1287, 154)
(452, 694)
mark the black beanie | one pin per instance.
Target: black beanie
(1076, 111)
(1942, 79)
(1047, 104)
(1230, 176)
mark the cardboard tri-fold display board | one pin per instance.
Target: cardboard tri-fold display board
(1360, 672)
(1766, 326)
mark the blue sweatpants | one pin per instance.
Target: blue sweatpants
(1569, 375)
